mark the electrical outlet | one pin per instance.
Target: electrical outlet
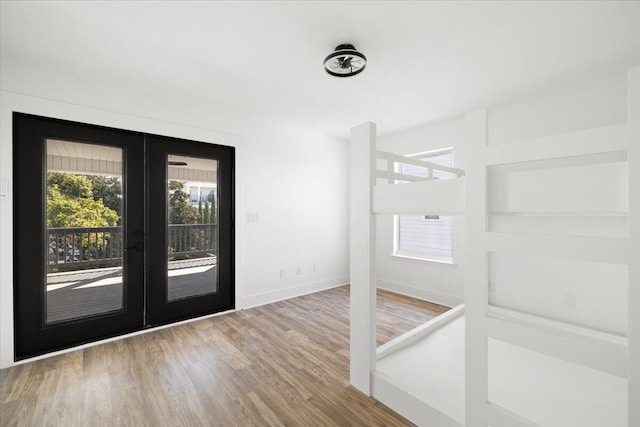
(569, 301)
(316, 268)
(282, 273)
(299, 270)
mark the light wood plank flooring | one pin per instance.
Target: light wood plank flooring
(285, 363)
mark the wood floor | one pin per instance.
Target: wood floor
(285, 363)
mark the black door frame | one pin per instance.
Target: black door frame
(159, 309)
(143, 307)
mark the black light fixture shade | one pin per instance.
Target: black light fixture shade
(346, 61)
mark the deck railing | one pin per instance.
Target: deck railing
(78, 248)
(192, 240)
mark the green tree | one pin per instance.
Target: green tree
(201, 217)
(71, 185)
(206, 213)
(212, 213)
(180, 211)
(70, 203)
(109, 189)
(64, 211)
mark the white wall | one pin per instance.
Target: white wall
(539, 286)
(295, 180)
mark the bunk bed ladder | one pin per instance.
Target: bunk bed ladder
(616, 357)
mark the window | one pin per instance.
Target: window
(427, 236)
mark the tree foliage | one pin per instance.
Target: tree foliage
(71, 185)
(75, 200)
(109, 189)
(71, 203)
(180, 211)
(205, 213)
(213, 219)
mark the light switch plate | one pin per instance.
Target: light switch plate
(4, 188)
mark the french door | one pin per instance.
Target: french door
(115, 231)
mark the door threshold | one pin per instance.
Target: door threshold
(116, 338)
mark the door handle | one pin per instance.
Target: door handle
(138, 247)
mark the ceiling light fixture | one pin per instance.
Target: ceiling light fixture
(346, 61)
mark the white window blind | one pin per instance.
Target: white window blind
(426, 236)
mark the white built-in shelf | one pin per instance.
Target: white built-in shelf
(586, 248)
(591, 142)
(618, 214)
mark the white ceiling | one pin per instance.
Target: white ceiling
(427, 60)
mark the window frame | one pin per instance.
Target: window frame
(396, 219)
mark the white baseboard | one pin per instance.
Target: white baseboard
(392, 394)
(295, 291)
(420, 293)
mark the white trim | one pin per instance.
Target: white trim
(396, 176)
(476, 272)
(572, 347)
(416, 334)
(497, 416)
(447, 300)
(435, 152)
(410, 160)
(292, 292)
(392, 394)
(633, 156)
(557, 325)
(422, 260)
(362, 254)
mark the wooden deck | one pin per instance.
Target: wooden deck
(89, 292)
(281, 364)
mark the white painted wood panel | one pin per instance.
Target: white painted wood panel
(445, 197)
(582, 293)
(392, 394)
(594, 188)
(596, 249)
(362, 257)
(544, 389)
(420, 332)
(633, 143)
(600, 355)
(587, 142)
(497, 416)
(476, 274)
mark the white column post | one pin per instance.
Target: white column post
(633, 218)
(476, 276)
(362, 252)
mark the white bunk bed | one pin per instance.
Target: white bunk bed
(479, 364)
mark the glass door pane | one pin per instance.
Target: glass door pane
(192, 233)
(84, 241)
(78, 233)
